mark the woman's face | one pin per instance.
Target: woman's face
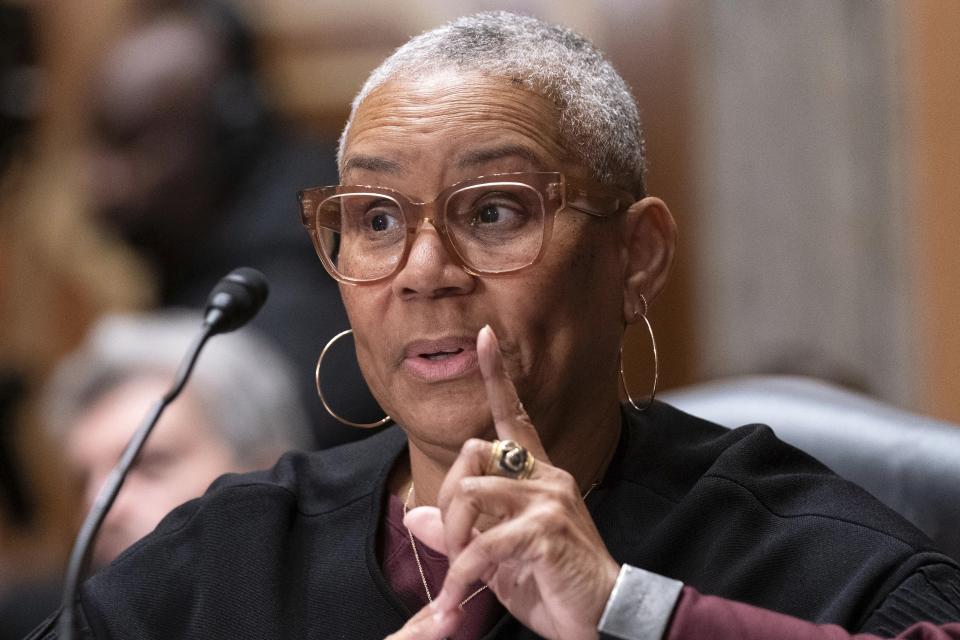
(559, 322)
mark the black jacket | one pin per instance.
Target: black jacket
(291, 552)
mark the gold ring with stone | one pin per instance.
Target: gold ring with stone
(509, 460)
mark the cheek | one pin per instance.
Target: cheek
(578, 283)
(363, 315)
(595, 278)
(527, 313)
(562, 315)
(361, 305)
(188, 478)
(372, 333)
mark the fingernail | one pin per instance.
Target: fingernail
(494, 343)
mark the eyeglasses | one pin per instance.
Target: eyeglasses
(491, 225)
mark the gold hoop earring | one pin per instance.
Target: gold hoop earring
(326, 405)
(656, 360)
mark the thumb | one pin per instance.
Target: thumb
(426, 524)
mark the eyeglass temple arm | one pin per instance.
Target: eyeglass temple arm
(305, 202)
(600, 201)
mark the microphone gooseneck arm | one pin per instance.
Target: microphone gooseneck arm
(232, 303)
(80, 555)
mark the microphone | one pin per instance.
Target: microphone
(235, 299)
(231, 304)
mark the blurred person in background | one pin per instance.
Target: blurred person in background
(21, 605)
(239, 412)
(18, 79)
(188, 166)
(18, 73)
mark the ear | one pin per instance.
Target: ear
(649, 244)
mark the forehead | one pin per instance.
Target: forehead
(113, 415)
(455, 123)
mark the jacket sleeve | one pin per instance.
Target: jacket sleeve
(931, 594)
(712, 618)
(647, 606)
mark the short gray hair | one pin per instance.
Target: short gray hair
(599, 119)
(244, 386)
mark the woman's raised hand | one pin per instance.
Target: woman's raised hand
(531, 541)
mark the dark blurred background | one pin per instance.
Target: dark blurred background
(809, 150)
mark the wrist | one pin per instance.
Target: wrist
(639, 606)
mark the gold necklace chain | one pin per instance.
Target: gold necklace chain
(416, 554)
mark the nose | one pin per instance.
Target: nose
(430, 270)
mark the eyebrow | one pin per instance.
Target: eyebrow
(482, 156)
(372, 163)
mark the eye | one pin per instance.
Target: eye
(156, 464)
(500, 212)
(380, 222)
(382, 217)
(490, 214)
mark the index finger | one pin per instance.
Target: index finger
(510, 419)
(431, 622)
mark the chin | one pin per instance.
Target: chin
(447, 422)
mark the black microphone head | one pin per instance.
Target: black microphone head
(235, 300)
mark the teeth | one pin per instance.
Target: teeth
(441, 356)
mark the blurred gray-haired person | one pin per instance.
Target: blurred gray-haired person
(239, 412)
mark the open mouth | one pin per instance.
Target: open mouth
(440, 355)
(441, 359)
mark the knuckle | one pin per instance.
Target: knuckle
(554, 552)
(444, 497)
(483, 547)
(475, 446)
(520, 412)
(468, 487)
(488, 549)
(522, 417)
(469, 493)
(561, 491)
(550, 514)
(552, 495)
(567, 482)
(567, 490)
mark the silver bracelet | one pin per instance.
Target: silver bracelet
(639, 606)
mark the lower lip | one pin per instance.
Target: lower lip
(442, 369)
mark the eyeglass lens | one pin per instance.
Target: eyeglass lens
(494, 228)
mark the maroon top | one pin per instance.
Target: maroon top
(700, 617)
(400, 568)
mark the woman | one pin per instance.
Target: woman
(488, 323)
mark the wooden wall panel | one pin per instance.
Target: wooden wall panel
(801, 268)
(932, 87)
